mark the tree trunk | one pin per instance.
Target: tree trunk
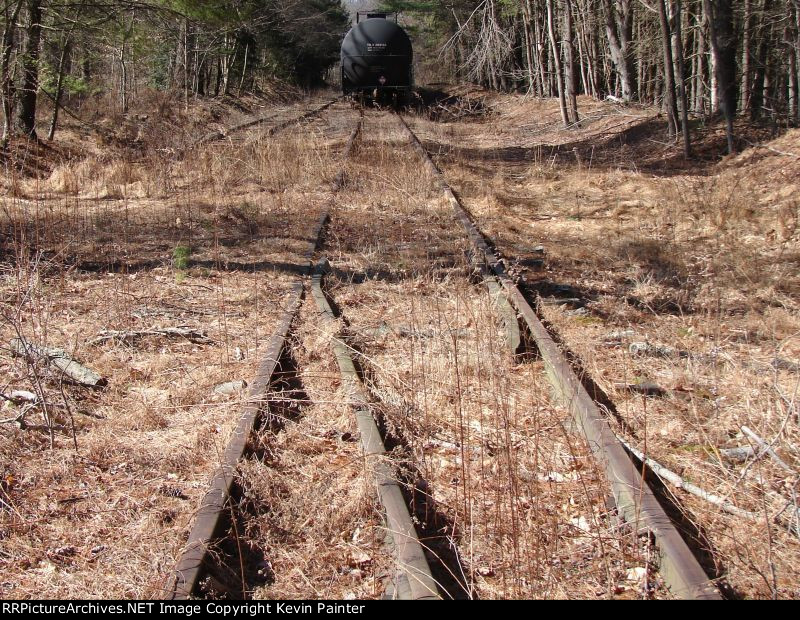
(747, 31)
(764, 35)
(619, 30)
(670, 104)
(175, 77)
(244, 70)
(759, 70)
(230, 60)
(700, 73)
(62, 62)
(11, 12)
(585, 65)
(570, 73)
(559, 73)
(642, 69)
(541, 55)
(123, 79)
(796, 4)
(528, 39)
(677, 35)
(30, 71)
(723, 49)
(593, 46)
(186, 64)
(794, 63)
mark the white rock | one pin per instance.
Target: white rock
(637, 574)
(553, 476)
(231, 387)
(581, 523)
(24, 395)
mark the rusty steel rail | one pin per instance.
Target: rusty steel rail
(192, 564)
(218, 135)
(415, 580)
(634, 498)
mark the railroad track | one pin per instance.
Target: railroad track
(274, 129)
(195, 561)
(634, 498)
(418, 568)
(197, 564)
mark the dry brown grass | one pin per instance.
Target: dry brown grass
(91, 248)
(511, 503)
(706, 263)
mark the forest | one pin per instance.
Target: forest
(695, 58)
(63, 50)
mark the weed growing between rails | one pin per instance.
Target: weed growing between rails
(313, 511)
